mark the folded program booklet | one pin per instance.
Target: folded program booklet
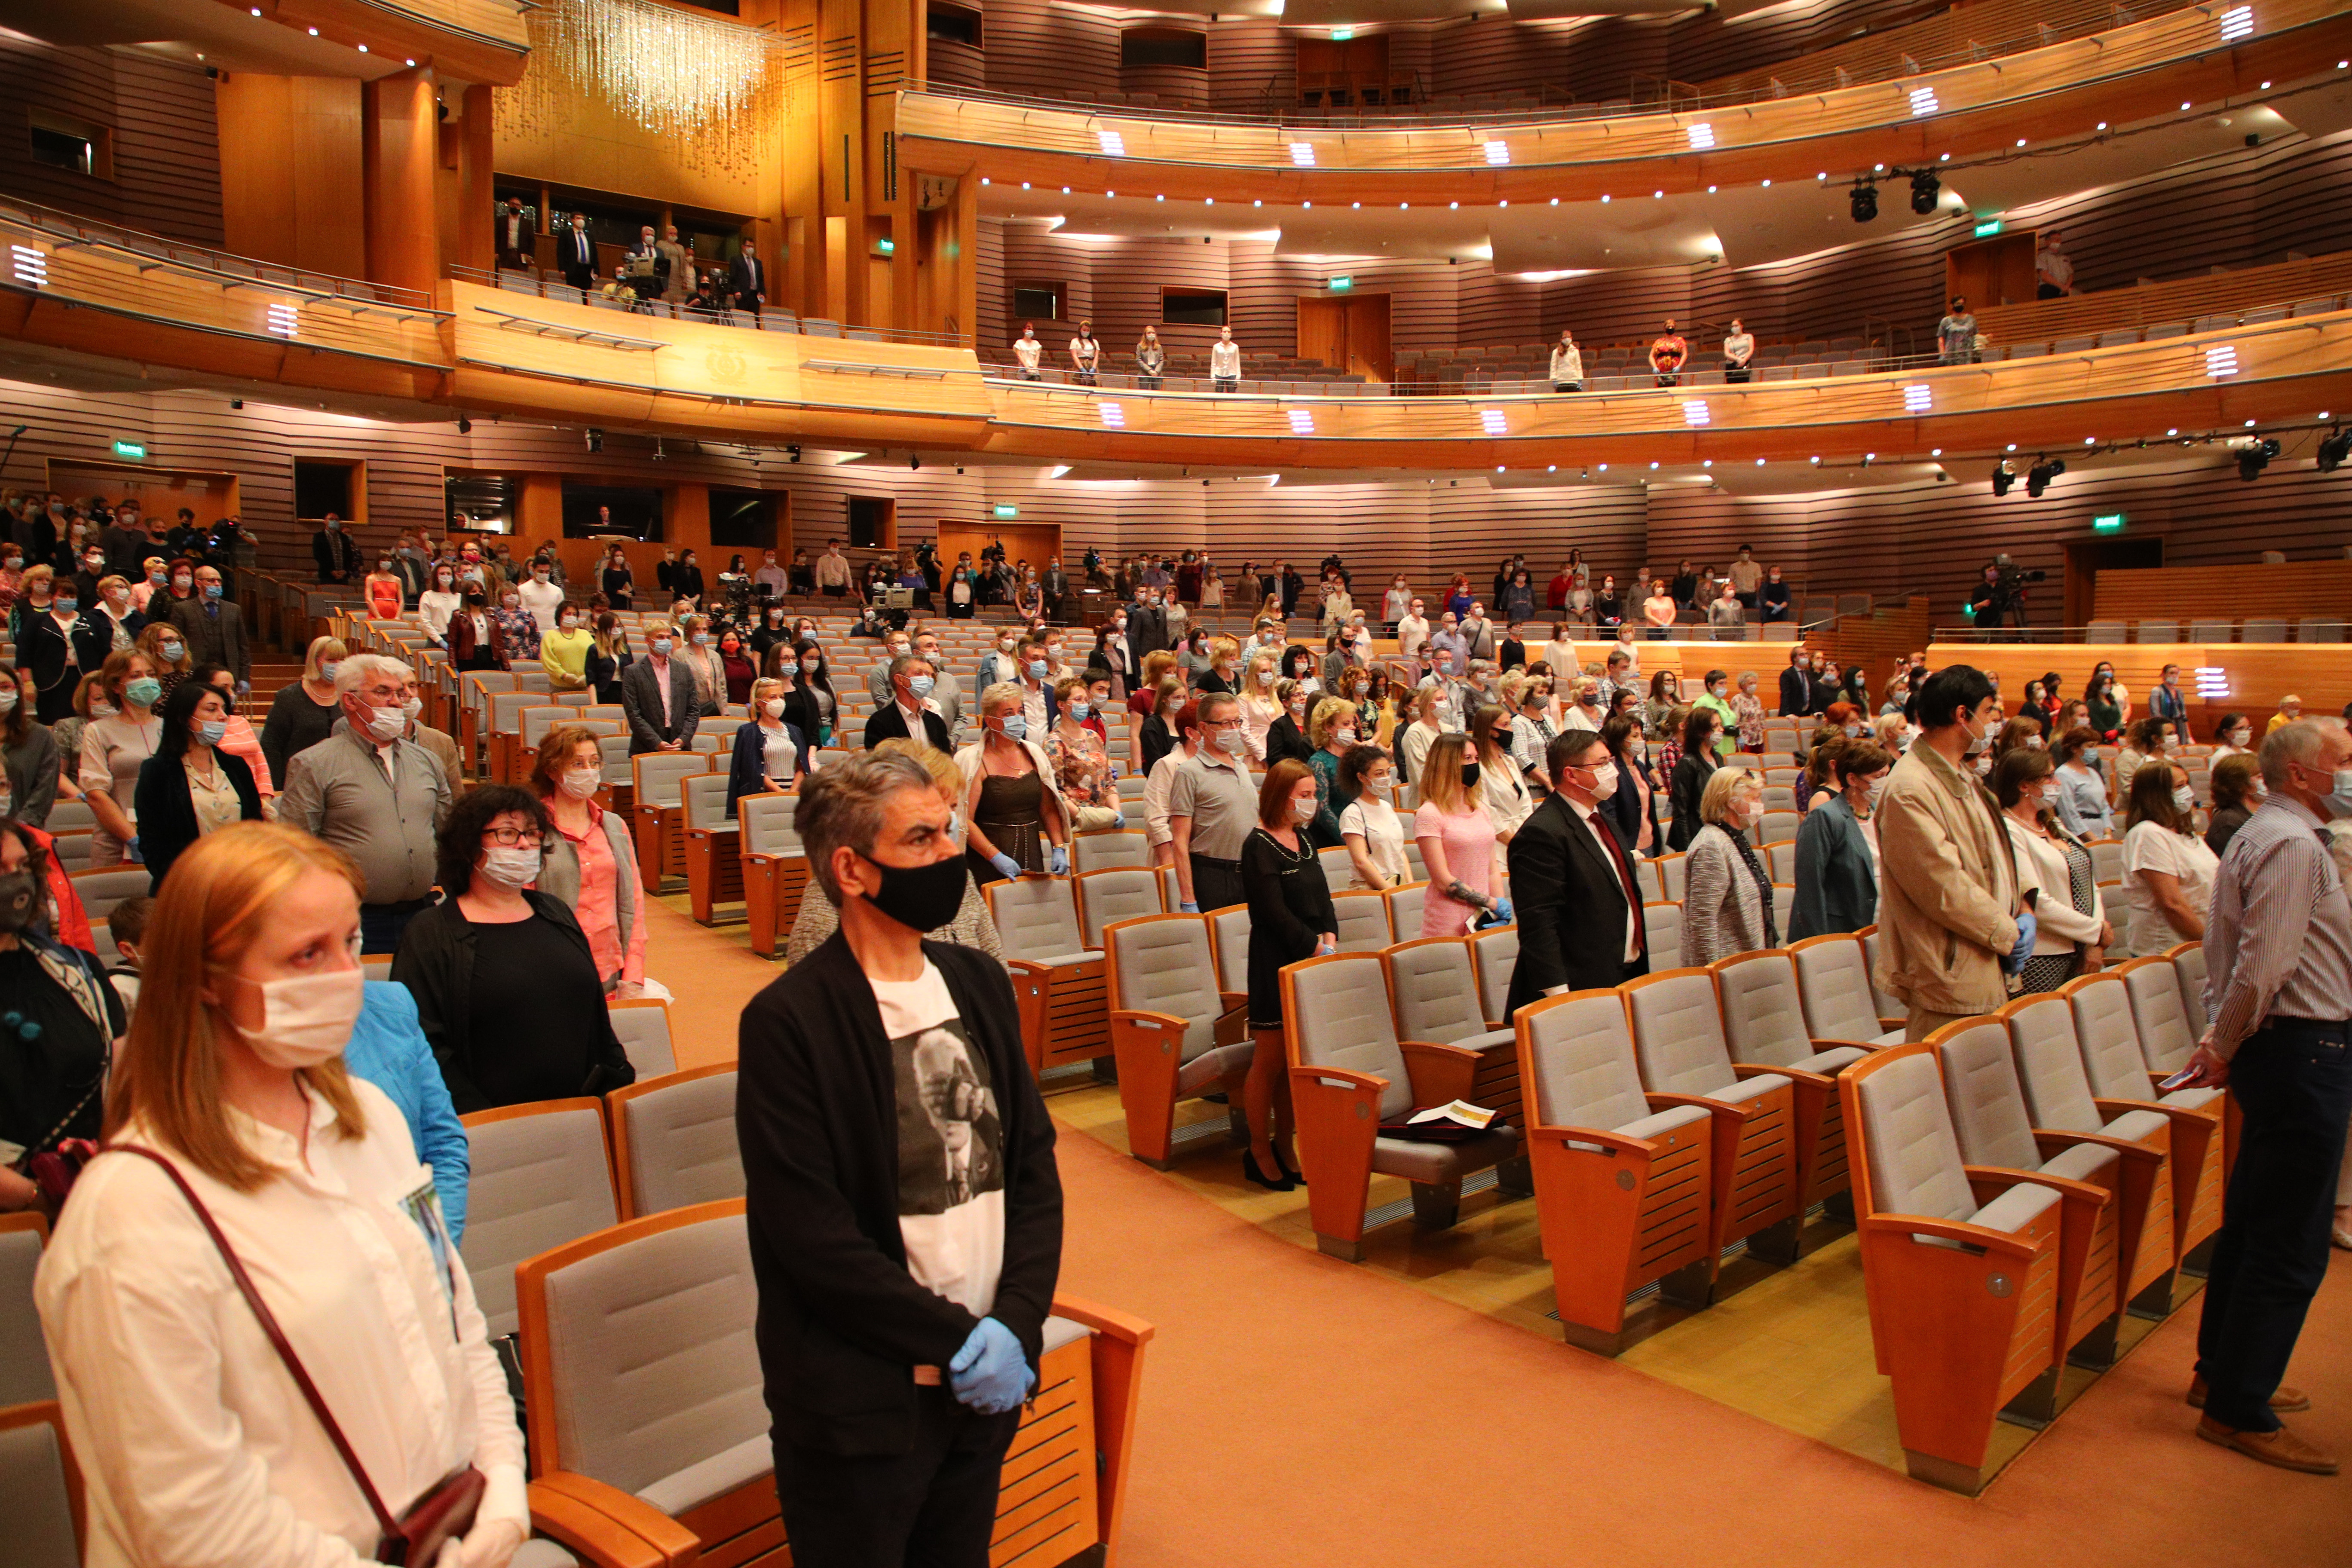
(1449, 1123)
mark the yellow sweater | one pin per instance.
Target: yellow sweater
(564, 657)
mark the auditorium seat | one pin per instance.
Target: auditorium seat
(642, 1025)
(2160, 631)
(1833, 982)
(1962, 1284)
(1404, 909)
(1122, 893)
(1108, 847)
(1433, 994)
(1349, 1075)
(2188, 965)
(2209, 631)
(674, 1139)
(1056, 981)
(1176, 1034)
(541, 1175)
(1497, 951)
(2058, 1097)
(100, 890)
(1662, 930)
(1362, 918)
(709, 843)
(40, 1485)
(2108, 1037)
(1625, 1181)
(657, 781)
(2318, 629)
(2265, 629)
(1679, 1047)
(2104, 632)
(1764, 1028)
(1990, 1118)
(24, 1374)
(775, 868)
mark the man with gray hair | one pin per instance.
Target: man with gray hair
(2278, 992)
(373, 794)
(903, 1208)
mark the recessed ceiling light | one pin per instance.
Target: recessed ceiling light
(1604, 196)
(1450, 205)
(362, 50)
(1935, 452)
(2103, 125)
(1768, 184)
(1353, 206)
(1760, 462)
(1555, 201)
(2020, 140)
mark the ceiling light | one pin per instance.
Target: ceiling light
(2002, 478)
(1500, 152)
(1653, 463)
(1935, 451)
(1918, 398)
(1923, 100)
(1768, 184)
(2334, 450)
(2237, 22)
(2012, 445)
(1302, 154)
(2020, 140)
(1862, 201)
(1258, 201)
(2038, 478)
(1114, 145)
(362, 50)
(1452, 204)
(1694, 411)
(1604, 197)
(2222, 360)
(1710, 190)
(1355, 204)
(1760, 462)
(1702, 137)
(314, 32)
(2254, 457)
(1925, 189)
(1302, 421)
(1555, 201)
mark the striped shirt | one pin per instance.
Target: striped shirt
(2278, 942)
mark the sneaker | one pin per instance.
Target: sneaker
(2281, 1448)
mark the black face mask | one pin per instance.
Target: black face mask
(1469, 774)
(921, 898)
(20, 901)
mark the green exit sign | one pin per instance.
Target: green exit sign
(1988, 228)
(2109, 522)
(1006, 509)
(133, 450)
(1341, 35)
(1342, 285)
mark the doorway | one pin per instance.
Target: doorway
(2086, 557)
(1035, 542)
(1998, 271)
(1350, 332)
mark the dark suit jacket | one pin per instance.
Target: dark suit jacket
(167, 814)
(1796, 692)
(1147, 630)
(336, 553)
(890, 723)
(841, 1321)
(1571, 905)
(641, 699)
(214, 638)
(747, 279)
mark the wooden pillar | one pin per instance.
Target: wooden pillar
(686, 521)
(399, 147)
(474, 243)
(539, 512)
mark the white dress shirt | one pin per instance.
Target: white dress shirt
(542, 600)
(196, 1448)
(1609, 851)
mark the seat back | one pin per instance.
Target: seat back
(2050, 1064)
(101, 890)
(1779, 827)
(642, 1026)
(674, 1140)
(1678, 1033)
(655, 1293)
(541, 1176)
(1338, 1009)
(1036, 917)
(1229, 933)
(1363, 920)
(1763, 1016)
(1987, 1102)
(702, 799)
(1661, 927)
(1108, 850)
(659, 777)
(40, 1490)
(1405, 910)
(1836, 989)
(2108, 1037)
(1497, 948)
(1434, 990)
(767, 823)
(2161, 1021)
(506, 709)
(1163, 963)
(1671, 869)
(1122, 893)
(25, 1374)
(1338, 871)
(1578, 1054)
(2189, 967)
(1906, 1128)
(541, 717)
(612, 751)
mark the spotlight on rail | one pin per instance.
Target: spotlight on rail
(1925, 189)
(2003, 475)
(1864, 200)
(2254, 456)
(2334, 450)
(2038, 478)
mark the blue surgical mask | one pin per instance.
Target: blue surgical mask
(66, 602)
(1015, 727)
(1080, 709)
(327, 669)
(145, 691)
(661, 647)
(921, 685)
(702, 639)
(1037, 668)
(2340, 803)
(212, 590)
(171, 651)
(211, 731)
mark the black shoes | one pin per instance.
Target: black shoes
(1250, 1172)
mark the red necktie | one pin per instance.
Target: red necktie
(1626, 879)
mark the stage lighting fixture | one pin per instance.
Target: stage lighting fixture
(793, 453)
(2003, 475)
(1863, 199)
(464, 426)
(1925, 189)
(2038, 478)
(913, 461)
(2334, 450)
(2254, 456)
(595, 439)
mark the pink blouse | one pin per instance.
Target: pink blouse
(1468, 839)
(598, 908)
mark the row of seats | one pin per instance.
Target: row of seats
(2218, 629)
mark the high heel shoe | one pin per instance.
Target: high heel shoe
(1251, 1172)
(1297, 1178)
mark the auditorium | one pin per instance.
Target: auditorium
(1156, 739)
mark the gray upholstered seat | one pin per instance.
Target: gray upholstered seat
(660, 775)
(34, 1495)
(1166, 966)
(1229, 933)
(23, 1356)
(1661, 924)
(1107, 850)
(1906, 1126)
(1989, 1114)
(1037, 919)
(2158, 1013)
(1363, 922)
(2189, 966)
(1671, 869)
(1679, 1040)
(643, 1026)
(1497, 951)
(1434, 990)
(767, 822)
(539, 1180)
(1834, 986)
(1585, 1074)
(1405, 910)
(1764, 1017)
(99, 891)
(679, 1137)
(2109, 1038)
(2050, 1069)
(2106, 860)
(1122, 893)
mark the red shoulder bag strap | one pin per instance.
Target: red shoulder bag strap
(276, 1336)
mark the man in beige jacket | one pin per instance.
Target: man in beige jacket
(1950, 921)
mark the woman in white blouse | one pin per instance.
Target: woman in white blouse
(1509, 800)
(1260, 706)
(196, 1448)
(2072, 932)
(2168, 869)
(1369, 826)
(439, 602)
(1560, 652)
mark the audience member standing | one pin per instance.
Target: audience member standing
(1225, 364)
(2167, 870)
(1291, 918)
(1458, 844)
(214, 625)
(1738, 350)
(747, 278)
(1949, 919)
(2053, 269)
(575, 252)
(1687, 784)
(1212, 808)
(2071, 931)
(1086, 354)
(2082, 799)
(1580, 909)
(1667, 353)
(335, 551)
(1726, 892)
(1956, 334)
(190, 786)
(591, 863)
(2235, 799)
(1029, 354)
(657, 695)
(1567, 364)
(2278, 956)
(1837, 858)
(1150, 359)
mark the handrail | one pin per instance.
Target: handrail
(774, 319)
(2078, 634)
(231, 267)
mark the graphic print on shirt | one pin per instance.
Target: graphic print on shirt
(951, 1143)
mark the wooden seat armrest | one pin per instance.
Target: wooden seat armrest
(2050, 1143)
(1712, 1107)
(1982, 1237)
(1794, 1075)
(1887, 1023)
(665, 1539)
(1594, 1141)
(1438, 1073)
(1104, 1320)
(1999, 1179)
(2111, 1108)
(1821, 1046)
(1336, 1081)
(1232, 1001)
(1157, 1020)
(1029, 966)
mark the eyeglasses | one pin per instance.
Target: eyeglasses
(508, 837)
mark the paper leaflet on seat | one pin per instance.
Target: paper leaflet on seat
(1453, 1122)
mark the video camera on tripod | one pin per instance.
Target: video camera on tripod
(2009, 581)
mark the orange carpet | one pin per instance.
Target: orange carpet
(1301, 1411)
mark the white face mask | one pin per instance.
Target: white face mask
(2033, 743)
(1604, 781)
(386, 725)
(2185, 799)
(1303, 811)
(579, 783)
(1232, 742)
(773, 707)
(307, 1019)
(510, 866)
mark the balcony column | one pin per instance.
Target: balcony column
(400, 145)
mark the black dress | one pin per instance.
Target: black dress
(548, 1031)
(1687, 784)
(1283, 740)
(1289, 909)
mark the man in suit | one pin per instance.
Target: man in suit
(1797, 683)
(575, 252)
(336, 551)
(214, 625)
(1146, 625)
(127, 545)
(747, 278)
(947, 692)
(908, 714)
(657, 695)
(676, 266)
(642, 267)
(516, 241)
(1579, 907)
(1056, 587)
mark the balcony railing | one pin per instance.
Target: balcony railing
(65, 231)
(774, 319)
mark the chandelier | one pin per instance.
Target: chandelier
(709, 85)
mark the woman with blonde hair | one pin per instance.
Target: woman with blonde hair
(167, 653)
(260, 1146)
(1260, 702)
(1459, 849)
(115, 745)
(1727, 892)
(701, 660)
(304, 712)
(819, 917)
(1016, 821)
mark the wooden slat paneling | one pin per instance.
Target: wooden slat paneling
(166, 146)
(2189, 593)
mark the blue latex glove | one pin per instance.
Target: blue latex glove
(1006, 865)
(990, 1374)
(2026, 927)
(1058, 860)
(1503, 910)
(1185, 907)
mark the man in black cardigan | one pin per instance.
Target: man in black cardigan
(903, 1208)
(1578, 905)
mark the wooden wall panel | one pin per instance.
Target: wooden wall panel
(1253, 67)
(1041, 49)
(950, 64)
(291, 171)
(166, 150)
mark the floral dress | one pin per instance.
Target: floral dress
(1749, 713)
(517, 633)
(1081, 767)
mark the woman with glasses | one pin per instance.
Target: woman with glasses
(507, 988)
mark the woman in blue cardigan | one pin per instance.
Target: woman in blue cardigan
(1837, 863)
(770, 756)
(190, 787)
